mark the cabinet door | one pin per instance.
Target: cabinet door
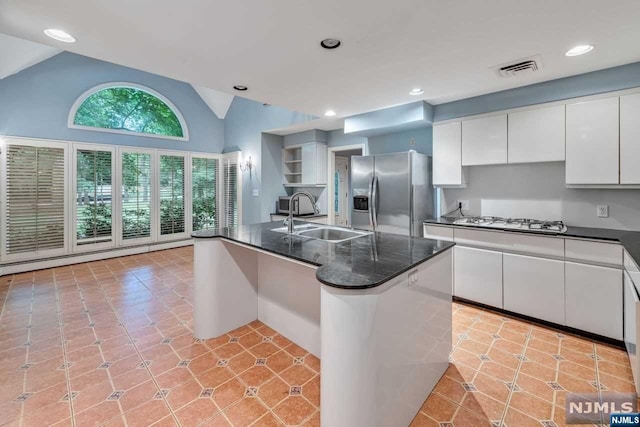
(447, 154)
(478, 275)
(594, 299)
(484, 141)
(592, 142)
(537, 135)
(321, 163)
(534, 287)
(309, 166)
(630, 139)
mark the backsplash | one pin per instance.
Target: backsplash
(538, 190)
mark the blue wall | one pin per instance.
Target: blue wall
(313, 135)
(271, 187)
(610, 79)
(243, 126)
(337, 138)
(401, 141)
(36, 103)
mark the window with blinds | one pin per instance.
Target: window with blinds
(136, 195)
(230, 190)
(204, 181)
(94, 197)
(172, 194)
(35, 199)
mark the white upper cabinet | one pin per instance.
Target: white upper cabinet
(447, 154)
(537, 135)
(592, 142)
(314, 163)
(630, 139)
(484, 141)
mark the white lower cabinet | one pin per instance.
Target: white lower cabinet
(534, 287)
(478, 275)
(594, 299)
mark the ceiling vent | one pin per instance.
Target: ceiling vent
(519, 67)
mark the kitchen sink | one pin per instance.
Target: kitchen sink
(324, 232)
(296, 228)
(332, 234)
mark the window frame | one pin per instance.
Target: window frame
(38, 143)
(78, 102)
(237, 157)
(219, 186)
(115, 198)
(154, 213)
(70, 209)
(187, 195)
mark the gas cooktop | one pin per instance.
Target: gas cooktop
(513, 223)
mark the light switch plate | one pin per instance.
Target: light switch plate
(413, 142)
(603, 211)
(256, 192)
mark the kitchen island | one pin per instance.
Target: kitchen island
(376, 309)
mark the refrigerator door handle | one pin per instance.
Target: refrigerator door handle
(370, 200)
(374, 202)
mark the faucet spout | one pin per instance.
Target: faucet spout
(289, 221)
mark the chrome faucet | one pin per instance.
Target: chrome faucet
(289, 221)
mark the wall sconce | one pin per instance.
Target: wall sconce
(248, 166)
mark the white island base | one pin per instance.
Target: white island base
(382, 349)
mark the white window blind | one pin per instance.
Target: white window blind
(136, 195)
(230, 190)
(94, 196)
(35, 199)
(172, 206)
(204, 181)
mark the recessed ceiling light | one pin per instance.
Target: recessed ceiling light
(240, 88)
(579, 50)
(330, 113)
(330, 43)
(416, 91)
(60, 35)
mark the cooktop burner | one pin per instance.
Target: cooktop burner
(513, 223)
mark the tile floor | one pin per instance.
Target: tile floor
(109, 343)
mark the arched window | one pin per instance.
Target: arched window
(128, 108)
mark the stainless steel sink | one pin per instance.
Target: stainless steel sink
(332, 234)
(296, 228)
(324, 232)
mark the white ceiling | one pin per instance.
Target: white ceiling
(389, 47)
(218, 102)
(17, 54)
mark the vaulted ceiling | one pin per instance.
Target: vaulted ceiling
(388, 47)
(17, 54)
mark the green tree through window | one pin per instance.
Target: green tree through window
(128, 109)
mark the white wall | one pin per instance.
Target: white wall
(538, 190)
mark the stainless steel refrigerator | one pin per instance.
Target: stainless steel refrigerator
(392, 192)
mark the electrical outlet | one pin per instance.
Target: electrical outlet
(256, 192)
(413, 277)
(465, 204)
(603, 211)
(413, 142)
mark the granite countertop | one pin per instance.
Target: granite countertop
(360, 263)
(630, 240)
